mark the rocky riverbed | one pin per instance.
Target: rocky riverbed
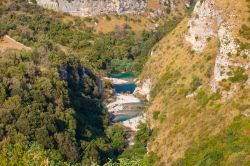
(126, 108)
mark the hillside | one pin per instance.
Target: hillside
(125, 83)
(199, 79)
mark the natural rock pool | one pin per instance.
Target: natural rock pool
(127, 108)
(124, 88)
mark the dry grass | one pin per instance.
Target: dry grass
(187, 121)
(138, 22)
(105, 25)
(153, 4)
(7, 43)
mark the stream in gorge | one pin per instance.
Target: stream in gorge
(126, 109)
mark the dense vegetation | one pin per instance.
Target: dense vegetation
(57, 106)
(135, 155)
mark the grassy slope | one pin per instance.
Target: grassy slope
(230, 147)
(180, 122)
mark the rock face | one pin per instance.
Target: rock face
(201, 26)
(171, 4)
(144, 89)
(208, 22)
(223, 63)
(97, 7)
(227, 46)
(94, 7)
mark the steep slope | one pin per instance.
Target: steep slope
(198, 76)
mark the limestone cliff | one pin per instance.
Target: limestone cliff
(97, 7)
(209, 22)
(94, 7)
(172, 3)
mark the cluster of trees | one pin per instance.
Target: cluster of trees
(135, 155)
(57, 105)
(17, 154)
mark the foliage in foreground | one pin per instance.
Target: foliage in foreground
(136, 154)
(34, 155)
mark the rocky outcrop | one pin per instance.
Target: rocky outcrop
(49, 4)
(94, 7)
(97, 7)
(144, 89)
(171, 4)
(207, 22)
(223, 63)
(201, 25)
(134, 122)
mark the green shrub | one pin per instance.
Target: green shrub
(195, 84)
(117, 137)
(202, 97)
(239, 76)
(156, 115)
(108, 18)
(162, 118)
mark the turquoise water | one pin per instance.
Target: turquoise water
(124, 88)
(123, 75)
(123, 118)
(139, 104)
(124, 115)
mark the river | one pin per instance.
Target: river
(127, 109)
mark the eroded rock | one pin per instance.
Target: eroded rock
(94, 7)
(208, 22)
(201, 25)
(144, 89)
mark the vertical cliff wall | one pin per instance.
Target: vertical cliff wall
(94, 7)
(97, 7)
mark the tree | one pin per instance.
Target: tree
(143, 134)
(117, 137)
(3, 94)
(67, 145)
(90, 153)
